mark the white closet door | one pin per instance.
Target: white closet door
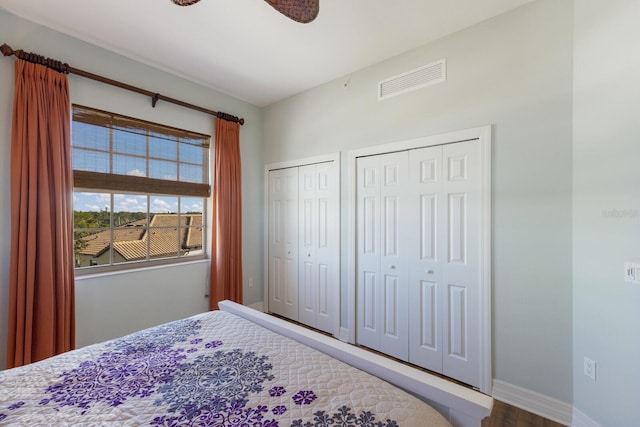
(419, 260)
(308, 236)
(318, 236)
(461, 264)
(368, 281)
(382, 264)
(327, 252)
(426, 214)
(283, 242)
(418, 215)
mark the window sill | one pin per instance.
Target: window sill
(128, 269)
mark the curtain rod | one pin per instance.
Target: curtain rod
(67, 69)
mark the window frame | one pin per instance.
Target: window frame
(113, 184)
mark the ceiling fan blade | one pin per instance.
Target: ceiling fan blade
(303, 11)
(185, 2)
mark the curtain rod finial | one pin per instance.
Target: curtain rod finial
(6, 49)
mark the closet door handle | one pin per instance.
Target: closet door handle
(429, 271)
(392, 267)
(308, 255)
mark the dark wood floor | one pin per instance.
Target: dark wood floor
(504, 415)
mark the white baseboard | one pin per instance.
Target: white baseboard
(536, 403)
(257, 306)
(581, 420)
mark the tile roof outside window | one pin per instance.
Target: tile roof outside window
(131, 240)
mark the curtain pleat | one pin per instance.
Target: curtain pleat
(226, 251)
(41, 289)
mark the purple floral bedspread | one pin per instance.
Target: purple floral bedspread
(214, 369)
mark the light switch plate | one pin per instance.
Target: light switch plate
(632, 272)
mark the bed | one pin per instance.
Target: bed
(223, 368)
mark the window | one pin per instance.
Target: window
(140, 192)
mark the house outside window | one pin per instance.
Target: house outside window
(140, 192)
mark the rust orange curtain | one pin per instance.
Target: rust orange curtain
(226, 253)
(41, 289)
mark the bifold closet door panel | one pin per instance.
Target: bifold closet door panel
(395, 231)
(283, 242)
(461, 264)
(308, 219)
(368, 252)
(318, 245)
(426, 213)
(327, 247)
(382, 294)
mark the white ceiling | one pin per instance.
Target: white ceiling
(246, 48)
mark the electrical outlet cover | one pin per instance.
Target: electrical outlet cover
(590, 368)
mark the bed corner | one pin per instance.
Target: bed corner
(462, 406)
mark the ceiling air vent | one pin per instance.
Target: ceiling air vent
(412, 80)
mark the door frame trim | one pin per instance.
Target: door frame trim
(483, 135)
(332, 157)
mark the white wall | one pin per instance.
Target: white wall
(110, 305)
(115, 304)
(606, 210)
(514, 72)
